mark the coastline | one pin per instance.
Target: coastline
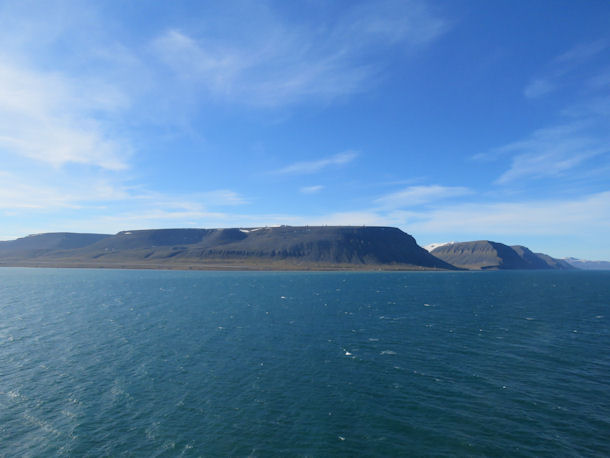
(224, 266)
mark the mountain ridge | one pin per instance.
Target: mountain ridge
(284, 247)
(271, 248)
(489, 255)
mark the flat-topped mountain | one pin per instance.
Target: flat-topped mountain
(285, 247)
(487, 255)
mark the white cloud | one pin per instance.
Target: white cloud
(580, 53)
(217, 67)
(222, 197)
(311, 189)
(55, 191)
(109, 200)
(551, 217)
(274, 73)
(262, 59)
(600, 81)
(538, 88)
(16, 195)
(417, 195)
(103, 209)
(195, 203)
(408, 23)
(553, 151)
(563, 149)
(561, 66)
(52, 119)
(306, 167)
(542, 217)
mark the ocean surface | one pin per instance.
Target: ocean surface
(170, 363)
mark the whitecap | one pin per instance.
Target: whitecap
(388, 352)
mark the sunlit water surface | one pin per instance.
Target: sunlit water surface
(159, 363)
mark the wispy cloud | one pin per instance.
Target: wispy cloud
(51, 118)
(553, 151)
(14, 194)
(49, 192)
(417, 195)
(563, 65)
(408, 23)
(223, 197)
(581, 53)
(263, 59)
(600, 81)
(538, 88)
(581, 136)
(311, 189)
(106, 199)
(306, 167)
(540, 217)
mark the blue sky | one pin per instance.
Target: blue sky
(453, 120)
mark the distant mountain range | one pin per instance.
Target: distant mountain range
(487, 255)
(588, 265)
(273, 248)
(285, 247)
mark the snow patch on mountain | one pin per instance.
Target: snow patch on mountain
(432, 246)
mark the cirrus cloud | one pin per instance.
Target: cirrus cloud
(417, 195)
(305, 167)
(51, 118)
(262, 59)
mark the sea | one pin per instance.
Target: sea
(186, 363)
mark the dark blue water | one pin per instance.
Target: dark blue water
(151, 363)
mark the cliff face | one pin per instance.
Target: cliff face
(555, 263)
(286, 246)
(487, 255)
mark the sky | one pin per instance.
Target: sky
(453, 120)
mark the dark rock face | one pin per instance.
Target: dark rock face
(129, 240)
(296, 246)
(555, 263)
(481, 255)
(487, 255)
